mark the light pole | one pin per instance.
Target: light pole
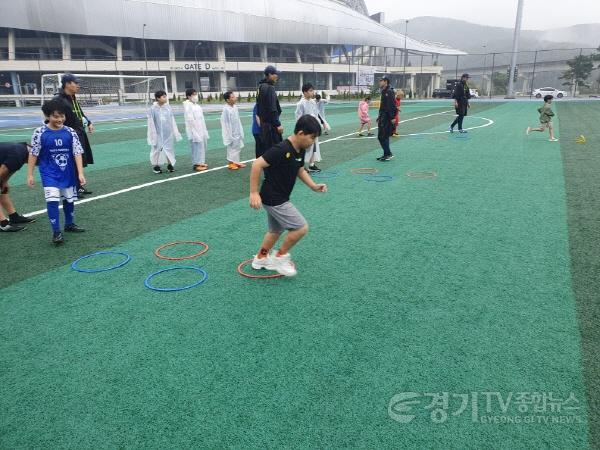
(144, 44)
(513, 64)
(198, 44)
(484, 67)
(405, 54)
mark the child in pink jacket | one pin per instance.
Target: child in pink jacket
(363, 115)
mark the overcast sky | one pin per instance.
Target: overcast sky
(537, 14)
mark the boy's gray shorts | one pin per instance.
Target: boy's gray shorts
(284, 217)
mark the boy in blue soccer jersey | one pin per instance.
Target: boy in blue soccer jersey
(57, 150)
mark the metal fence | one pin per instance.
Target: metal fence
(488, 70)
(535, 69)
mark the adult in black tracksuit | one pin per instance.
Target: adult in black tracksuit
(386, 118)
(268, 111)
(461, 97)
(74, 116)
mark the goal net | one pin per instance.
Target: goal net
(98, 89)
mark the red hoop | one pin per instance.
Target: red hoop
(181, 258)
(255, 277)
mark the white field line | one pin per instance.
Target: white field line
(192, 174)
(424, 133)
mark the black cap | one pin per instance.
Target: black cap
(68, 77)
(271, 70)
(384, 78)
(465, 75)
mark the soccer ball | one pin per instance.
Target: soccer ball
(61, 161)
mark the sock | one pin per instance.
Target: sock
(13, 216)
(53, 215)
(69, 209)
(4, 222)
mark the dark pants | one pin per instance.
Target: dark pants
(258, 147)
(459, 120)
(268, 137)
(87, 157)
(383, 135)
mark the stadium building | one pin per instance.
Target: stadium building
(211, 44)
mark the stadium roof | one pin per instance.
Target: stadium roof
(261, 21)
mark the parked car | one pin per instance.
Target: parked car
(541, 92)
(474, 93)
(442, 93)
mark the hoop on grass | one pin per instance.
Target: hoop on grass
(411, 174)
(240, 269)
(75, 264)
(364, 171)
(326, 174)
(158, 251)
(379, 178)
(175, 289)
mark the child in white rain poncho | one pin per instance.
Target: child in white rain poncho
(195, 127)
(233, 133)
(162, 130)
(307, 105)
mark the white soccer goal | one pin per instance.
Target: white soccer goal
(98, 89)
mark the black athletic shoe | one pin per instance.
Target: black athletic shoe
(381, 158)
(385, 158)
(74, 229)
(81, 192)
(170, 168)
(314, 168)
(157, 169)
(462, 131)
(10, 228)
(57, 238)
(18, 218)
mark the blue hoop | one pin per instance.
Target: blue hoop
(326, 174)
(379, 178)
(106, 269)
(183, 288)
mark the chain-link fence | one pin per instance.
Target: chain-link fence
(534, 70)
(420, 76)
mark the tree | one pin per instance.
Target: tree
(499, 81)
(580, 68)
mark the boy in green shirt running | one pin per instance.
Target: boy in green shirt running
(546, 115)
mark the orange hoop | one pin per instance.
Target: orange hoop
(364, 171)
(181, 258)
(255, 277)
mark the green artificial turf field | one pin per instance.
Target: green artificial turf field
(479, 285)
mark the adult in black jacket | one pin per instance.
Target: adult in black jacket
(386, 118)
(461, 97)
(268, 111)
(74, 118)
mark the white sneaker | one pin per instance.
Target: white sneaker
(262, 263)
(553, 140)
(527, 131)
(283, 264)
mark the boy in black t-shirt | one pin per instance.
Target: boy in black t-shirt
(282, 164)
(12, 157)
